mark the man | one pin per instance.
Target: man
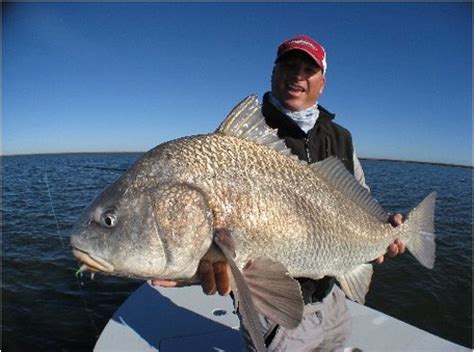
(298, 79)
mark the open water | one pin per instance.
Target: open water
(46, 308)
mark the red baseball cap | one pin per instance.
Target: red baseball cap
(306, 44)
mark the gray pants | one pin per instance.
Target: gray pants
(326, 326)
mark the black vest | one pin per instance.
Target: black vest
(326, 138)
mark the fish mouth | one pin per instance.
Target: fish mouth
(92, 262)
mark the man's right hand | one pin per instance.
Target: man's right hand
(214, 277)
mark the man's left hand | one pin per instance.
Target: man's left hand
(397, 247)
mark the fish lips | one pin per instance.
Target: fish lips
(80, 248)
(92, 262)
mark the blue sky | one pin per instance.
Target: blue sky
(81, 77)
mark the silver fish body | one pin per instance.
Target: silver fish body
(159, 218)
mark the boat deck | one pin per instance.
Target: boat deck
(184, 319)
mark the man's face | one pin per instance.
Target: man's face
(297, 81)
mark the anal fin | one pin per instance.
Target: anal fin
(356, 282)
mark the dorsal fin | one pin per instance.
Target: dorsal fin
(247, 121)
(335, 173)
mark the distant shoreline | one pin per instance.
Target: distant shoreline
(142, 152)
(419, 162)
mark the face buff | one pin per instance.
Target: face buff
(305, 119)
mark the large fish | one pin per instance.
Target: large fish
(239, 194)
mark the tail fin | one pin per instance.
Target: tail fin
(419, 229)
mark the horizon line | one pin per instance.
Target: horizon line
(142, 152)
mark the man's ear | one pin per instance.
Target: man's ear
(322, 86)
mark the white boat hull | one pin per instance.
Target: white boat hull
(184, 319)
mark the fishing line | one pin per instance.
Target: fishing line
(79, 283)
(52, 207)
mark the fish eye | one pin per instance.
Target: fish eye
(109, 219)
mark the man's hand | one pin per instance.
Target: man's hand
(214, 277)
(164, 283)
(397, 247)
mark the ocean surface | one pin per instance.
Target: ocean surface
(46, 308)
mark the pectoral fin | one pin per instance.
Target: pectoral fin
(264, 286)
(223, 240)
(356, 282)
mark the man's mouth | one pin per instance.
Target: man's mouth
(92, 263)
(294, 88)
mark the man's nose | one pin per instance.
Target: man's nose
(298, 72)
